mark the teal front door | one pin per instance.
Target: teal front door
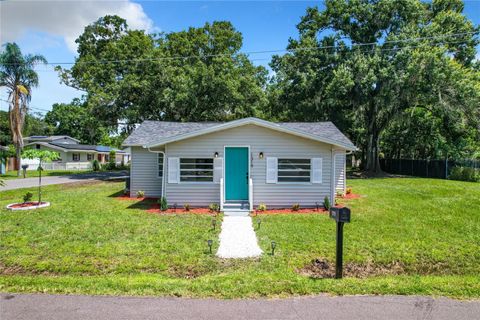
(236, 173)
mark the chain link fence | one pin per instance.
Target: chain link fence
(425, 168)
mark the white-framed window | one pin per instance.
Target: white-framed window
(76, 156)
(89, 156)
(160, 165)
(196, 170)
(294, 170)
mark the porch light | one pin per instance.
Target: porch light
(274, 244)
(215, 154)
(260, 155)
(210, 242)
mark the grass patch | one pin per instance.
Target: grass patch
(89, 242)
(34, 173)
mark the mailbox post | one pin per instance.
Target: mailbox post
(340, 215)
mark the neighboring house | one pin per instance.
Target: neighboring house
(239, 163)
(73, 155)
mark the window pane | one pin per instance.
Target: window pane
(196, 179)
(160, 165)
(293, 170)
(293, 179)
(299, 161)
(196, 170)
(294, 173)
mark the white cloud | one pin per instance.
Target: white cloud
(64, 18)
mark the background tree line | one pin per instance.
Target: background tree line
(399, 77)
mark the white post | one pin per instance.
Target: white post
(250, 193)
(221, 194)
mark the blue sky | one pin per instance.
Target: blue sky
(50, 27)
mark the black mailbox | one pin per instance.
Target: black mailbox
(340, 214)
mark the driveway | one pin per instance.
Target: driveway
(39, 306)
(33, 182)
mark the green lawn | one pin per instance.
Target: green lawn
(35, 173)
(89, 242)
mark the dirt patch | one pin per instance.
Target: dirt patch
(189, 272)
(323, 269)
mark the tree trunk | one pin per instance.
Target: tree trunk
(18, 159)
(373, 161)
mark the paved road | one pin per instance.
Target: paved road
(38, 306)
(33, 182)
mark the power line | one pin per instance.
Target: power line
(362, 49)
(29, 107)
(266, 51)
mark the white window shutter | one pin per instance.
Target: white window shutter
(173, 170)
(316, 174)
(217, 169)
(272, 170)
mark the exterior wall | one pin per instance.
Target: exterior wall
(272, 144)
(340, 171)
(65, 163)
(144, 173)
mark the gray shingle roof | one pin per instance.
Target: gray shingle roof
(86, 147)
(151, 131)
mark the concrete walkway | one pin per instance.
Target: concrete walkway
(237, 238)
(11, 184)
(40, 307)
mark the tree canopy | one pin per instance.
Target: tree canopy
(367, 64)
(130, 76)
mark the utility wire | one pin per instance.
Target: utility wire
(361, 49)
(266, 51)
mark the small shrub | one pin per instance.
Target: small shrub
(96, 165)
(296, 207)
(163, 204)
(214, 207)
(348, 191)
(186, 206)
(140, 194)
(326, 203)
(262, 207)
(27, 197)
(339, 194)
(464, 174)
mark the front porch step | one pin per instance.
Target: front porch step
(244, 205)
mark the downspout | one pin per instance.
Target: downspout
(163, 168)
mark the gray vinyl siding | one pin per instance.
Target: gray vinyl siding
(272, 144)
(144, 173)
(340, 159)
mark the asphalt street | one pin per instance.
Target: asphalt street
(76, 307)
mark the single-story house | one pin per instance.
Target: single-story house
(73, 154)
(240, 163)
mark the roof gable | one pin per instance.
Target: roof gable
(155, 133)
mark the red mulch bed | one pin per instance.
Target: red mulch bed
(27, 204)
(351, 196)
(290, 211)
(155, 208)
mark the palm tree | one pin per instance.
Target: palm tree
(17, 74)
